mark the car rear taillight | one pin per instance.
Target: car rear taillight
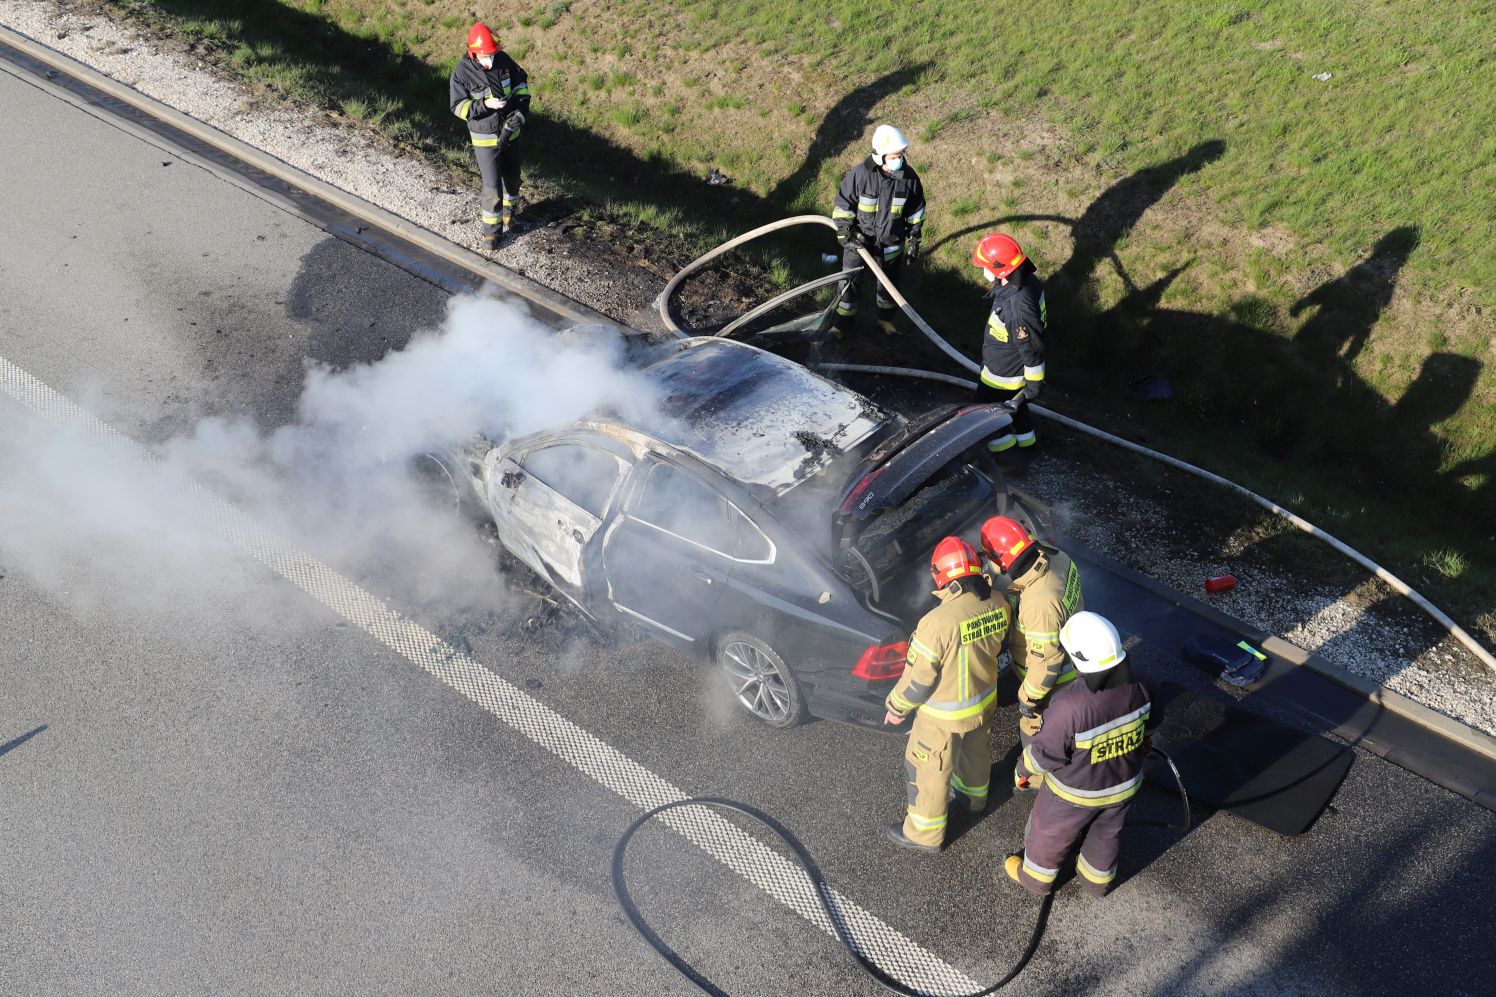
(885, 661)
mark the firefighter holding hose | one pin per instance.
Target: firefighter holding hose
(950, 686)
(880, 204)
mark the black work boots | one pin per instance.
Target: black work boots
(895, 832)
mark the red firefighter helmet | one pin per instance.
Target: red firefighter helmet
(1004, 540)
(1000, 254)
(953, 558)
(481, 41)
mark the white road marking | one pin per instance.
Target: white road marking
(760, 865)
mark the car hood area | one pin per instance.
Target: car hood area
(767, 421)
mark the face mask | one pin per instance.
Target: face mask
(991, 277)
(486, 61)
(894, 165)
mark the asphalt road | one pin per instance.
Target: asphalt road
(211, 782)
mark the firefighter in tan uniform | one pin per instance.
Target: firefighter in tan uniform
(950, 685)
(1045, 591)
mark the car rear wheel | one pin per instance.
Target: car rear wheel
(760, 681)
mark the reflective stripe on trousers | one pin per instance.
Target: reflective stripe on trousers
(936, 760)
(1053, 829)
(501, 183)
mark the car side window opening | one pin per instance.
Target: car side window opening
(582, 474)
(679, 503)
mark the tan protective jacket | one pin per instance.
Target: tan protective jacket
(1045, 597)
(951, 674)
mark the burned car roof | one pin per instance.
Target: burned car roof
(764, 420)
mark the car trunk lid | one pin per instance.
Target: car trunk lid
(901, 464)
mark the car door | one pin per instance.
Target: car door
(549, 501)
(671, 553)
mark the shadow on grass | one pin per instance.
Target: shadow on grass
(844, 124)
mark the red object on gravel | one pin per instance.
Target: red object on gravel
(1220, 583)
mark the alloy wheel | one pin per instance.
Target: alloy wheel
(756, 681)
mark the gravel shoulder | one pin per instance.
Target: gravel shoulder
(1157, 520)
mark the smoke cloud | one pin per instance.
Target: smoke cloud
(90, 524)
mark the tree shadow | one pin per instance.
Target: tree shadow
(842, 125)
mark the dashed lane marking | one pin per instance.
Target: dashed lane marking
(590, 755)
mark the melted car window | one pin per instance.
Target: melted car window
(682, 504)
(581, 474)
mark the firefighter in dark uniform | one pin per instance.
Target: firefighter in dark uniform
(491, 93)
(1090, 751)
(881, 204)
(950, 685)
(1044, 591)
(1013, 348)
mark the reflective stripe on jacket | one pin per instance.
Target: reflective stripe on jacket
(1090, 748)
(951, 672)
(1047, 595)
(1013, 346)
(471, 83)
(886, 208)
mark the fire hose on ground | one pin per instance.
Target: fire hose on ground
(824, 895)
(873, 266)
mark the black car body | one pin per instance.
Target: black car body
(761, 517)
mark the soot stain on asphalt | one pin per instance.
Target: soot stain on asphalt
(357, 308)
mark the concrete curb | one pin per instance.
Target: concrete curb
(357, 207)
(1291, 655)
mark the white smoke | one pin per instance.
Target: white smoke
(92, 525)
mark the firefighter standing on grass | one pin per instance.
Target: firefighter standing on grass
(880, 204)
(1013, 348)
(950, 685)
(1044, 591)
(1090, 751)
(491, 93)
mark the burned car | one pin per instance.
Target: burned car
(764, 519)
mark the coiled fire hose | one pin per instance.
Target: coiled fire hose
(824, 896)
(874, 267)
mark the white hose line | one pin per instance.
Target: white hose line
(927, 375)
(662, 303)
(1402, 587)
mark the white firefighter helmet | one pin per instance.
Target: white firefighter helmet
(888, 139)
(1092, 643)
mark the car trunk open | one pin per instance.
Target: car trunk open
(930, 480)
